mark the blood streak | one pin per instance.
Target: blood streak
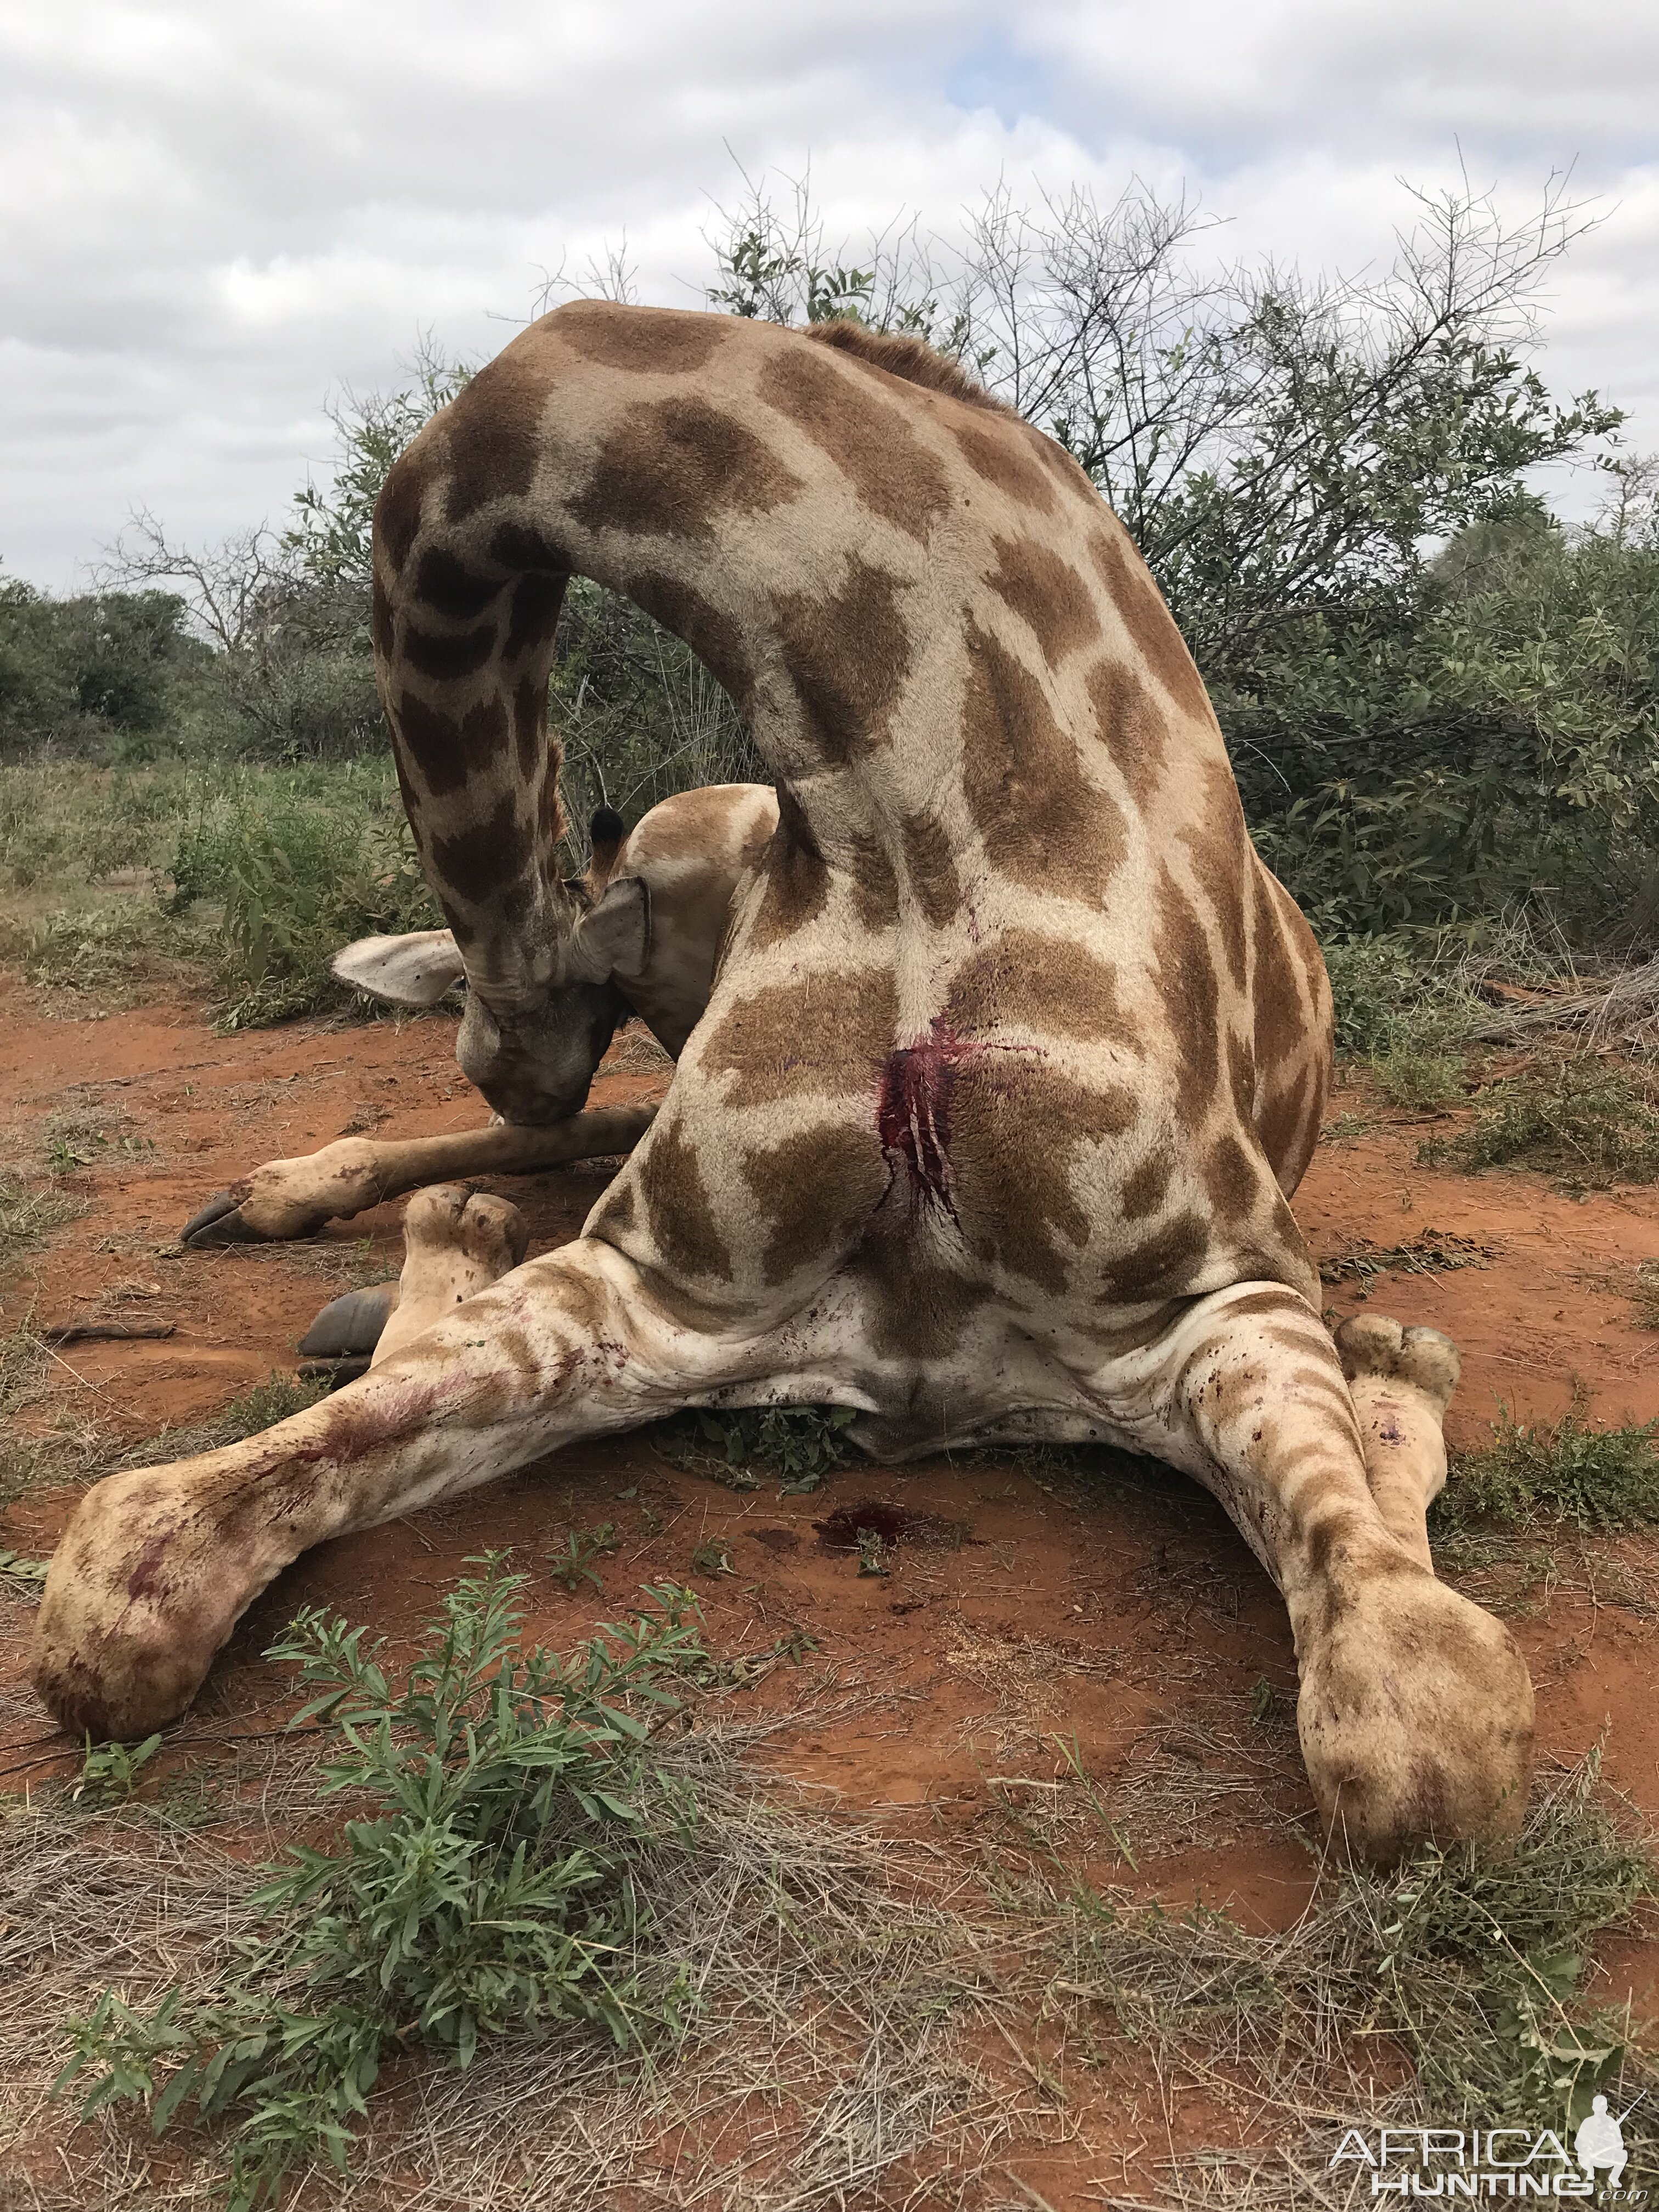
(913, 1108)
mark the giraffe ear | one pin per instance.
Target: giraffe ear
(613, 938)
(414, 969)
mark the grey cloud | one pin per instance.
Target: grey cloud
(210, 217)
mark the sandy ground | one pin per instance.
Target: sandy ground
(1122, 1614)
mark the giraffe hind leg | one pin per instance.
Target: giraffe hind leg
(1415, 1711)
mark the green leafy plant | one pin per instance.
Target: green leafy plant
(1435, 1252)
(297, 874)
(802, 1443)
(573, 1566)
(875, 1553)
(499, 1803)
(1587, 1124)
(111, 1773)
(24, 1576)
(1533, 1475)
(713, 1558)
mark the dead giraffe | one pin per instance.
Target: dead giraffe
(688, 853)
(1013, 1050)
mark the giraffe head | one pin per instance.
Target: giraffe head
(535, 1061)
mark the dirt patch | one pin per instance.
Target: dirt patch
(1036, 1613)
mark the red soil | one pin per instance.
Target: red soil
(1094, 1611)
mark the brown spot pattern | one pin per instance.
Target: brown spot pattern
(797, 880)
(1048, 593)
(673, 467)
(530, 721)
(913, 1309)
(537, 599)
(447, 751)
(649, 341)
(475, 862)
(848, 655)
(826, 1032)
(446, 659)
(518, 546)
(865, 436)
(614, 1214)
(397, 510)
(682, 1219)
(1015, 1123)
(1183, 974)
(1144, 1189)
(815, 1190)
(995, 455)
(383, 622)
(1165, 1265)
(1043, 822)
(450, 589)
(707, 629)
(1025, 980)
(1230, 1179)
(1149, 621)
(1132, 726)
(492, 433)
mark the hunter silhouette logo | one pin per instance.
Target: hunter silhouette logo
(1600, 2140)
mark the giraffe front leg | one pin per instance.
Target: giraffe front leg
(295, 1198)
(1415, 1711)
(159, 1565)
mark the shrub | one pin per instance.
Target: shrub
(299, 870)
(483, 1885)
(801, 1443)
(1582, 1121)
(1537, 1475)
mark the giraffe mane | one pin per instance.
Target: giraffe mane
(912, 358)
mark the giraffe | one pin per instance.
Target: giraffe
(688, 853)
(1014, 1052)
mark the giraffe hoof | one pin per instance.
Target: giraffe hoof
(1415, 1715)
(219, 1222)
(1371, 1344)
(349, 1327)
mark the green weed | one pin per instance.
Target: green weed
(713, 1558)
(116, 953)
(1435, 1252)
(298, 872)
(1585, 1123)
(1420, 1077)
(501, 1802)
(573, 1566)
(22, 1576)
(111, 1773)
(1537, 1475)
(801, 1443)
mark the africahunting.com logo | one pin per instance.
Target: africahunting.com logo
(1475, 2162)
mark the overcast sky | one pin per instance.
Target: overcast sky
(211, 216)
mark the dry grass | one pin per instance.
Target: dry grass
(1624, 1012)
(827, 2051)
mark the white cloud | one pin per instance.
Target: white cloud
(211, 216)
